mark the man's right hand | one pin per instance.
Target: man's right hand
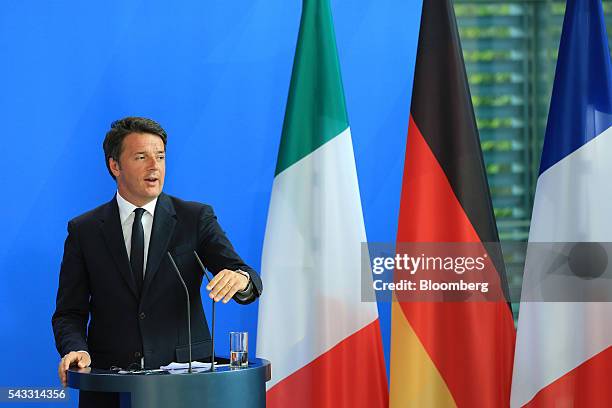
(81, 358)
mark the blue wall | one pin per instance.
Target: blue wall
(215, 75)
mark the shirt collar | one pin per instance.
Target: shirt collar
(126, 208)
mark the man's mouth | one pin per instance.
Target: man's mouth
(151, 179)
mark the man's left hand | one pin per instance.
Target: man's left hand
(225, 284)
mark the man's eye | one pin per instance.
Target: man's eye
(161, 157)
(139, 157)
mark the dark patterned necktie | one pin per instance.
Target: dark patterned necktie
(137, 248)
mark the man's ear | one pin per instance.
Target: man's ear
(114, 166)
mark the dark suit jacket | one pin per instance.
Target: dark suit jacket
(96, 284)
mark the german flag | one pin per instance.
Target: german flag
(447, 354)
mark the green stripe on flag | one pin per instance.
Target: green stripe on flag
(316, 111)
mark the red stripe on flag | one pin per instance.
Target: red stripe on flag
(471, 343)
(429, 209)
(351, 374)
(588, 385)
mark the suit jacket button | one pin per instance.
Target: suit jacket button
(142, 316)
(137, 354)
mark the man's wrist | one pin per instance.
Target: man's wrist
(246, 274)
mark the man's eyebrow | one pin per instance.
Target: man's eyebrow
(145, 152)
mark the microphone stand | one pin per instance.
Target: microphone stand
(212, 335)
(178, 273)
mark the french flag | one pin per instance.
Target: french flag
(563, 352)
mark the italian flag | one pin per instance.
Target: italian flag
(323, 341)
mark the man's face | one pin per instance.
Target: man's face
(141, 168)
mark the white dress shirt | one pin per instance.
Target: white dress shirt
(126, 217)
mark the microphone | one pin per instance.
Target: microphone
(178, 273)
(212, 335)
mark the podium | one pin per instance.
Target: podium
(224, 387)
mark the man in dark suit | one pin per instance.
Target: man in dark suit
(116, 274)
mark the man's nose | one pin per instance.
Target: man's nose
(152, 163)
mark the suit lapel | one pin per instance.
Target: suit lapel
(113, 235)
(164, 222)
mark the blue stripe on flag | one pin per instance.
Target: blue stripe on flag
(581, 103)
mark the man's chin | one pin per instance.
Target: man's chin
(152, 189)
(151, 194)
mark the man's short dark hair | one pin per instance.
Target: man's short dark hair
(113, 142)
